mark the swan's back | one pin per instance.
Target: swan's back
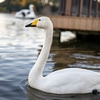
(72, 80)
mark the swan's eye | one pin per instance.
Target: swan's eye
(39, 19)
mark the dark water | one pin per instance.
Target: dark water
(19, 49)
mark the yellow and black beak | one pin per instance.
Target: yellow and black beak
(33, 24)
(29, 25)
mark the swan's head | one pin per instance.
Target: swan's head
(42, 22)
(31, 6)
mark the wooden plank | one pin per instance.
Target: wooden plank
(95, 25)
(53, 21)
(59, 22)
(89, 24)
(71, 23)
(83, 24)
(98, 25)
(65, 22)
(77, 24)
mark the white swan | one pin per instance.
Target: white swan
(26, 13)
(65, 81)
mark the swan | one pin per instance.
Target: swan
(26, 13)
(65, 81)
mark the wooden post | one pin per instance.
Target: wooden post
(96, 8)
(68, 7)
(81, 7)
(56, 37)
(90, 6)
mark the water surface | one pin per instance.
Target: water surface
(19, 49)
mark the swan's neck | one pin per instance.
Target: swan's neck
(31, 8)
(36, 71)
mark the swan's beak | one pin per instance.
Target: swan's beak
(33, 24)
(29, 25)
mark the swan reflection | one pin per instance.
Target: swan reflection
(34, 94)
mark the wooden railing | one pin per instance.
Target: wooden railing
(76, 23)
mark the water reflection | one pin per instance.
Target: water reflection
(77, 54)
(34, 94)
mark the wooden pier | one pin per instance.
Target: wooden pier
(78, 15)
(76, 23)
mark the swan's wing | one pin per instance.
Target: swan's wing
(72, 80)
(20, 13)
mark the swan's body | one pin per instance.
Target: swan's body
(65, 81)
(26, 13)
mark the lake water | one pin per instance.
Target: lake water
(19, 50)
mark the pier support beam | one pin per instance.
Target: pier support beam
(56, 37)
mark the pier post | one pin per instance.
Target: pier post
(56, 37)
(81, 7)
